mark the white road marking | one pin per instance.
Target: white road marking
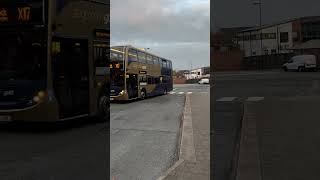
(255, 99)
(227, 99)
(189, 92)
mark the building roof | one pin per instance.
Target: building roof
(306, 18)
(225, 36)
(233, 29)
(312, 44)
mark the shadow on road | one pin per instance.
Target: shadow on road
(134, 100)
(49, 127)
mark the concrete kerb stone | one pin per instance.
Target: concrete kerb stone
(186, 145)
(249, 165)
(187, 149)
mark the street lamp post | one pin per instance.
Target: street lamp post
(259, 2)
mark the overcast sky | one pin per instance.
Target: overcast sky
(175, 29)
(232, 13)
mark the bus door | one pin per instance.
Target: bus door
(71, 77)
(132, 85)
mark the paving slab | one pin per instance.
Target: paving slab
(283, 141)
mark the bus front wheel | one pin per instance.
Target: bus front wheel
(143, 94)
(103, 109)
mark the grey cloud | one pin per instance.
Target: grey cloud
(169, 27)
(157, 21)
(230, 13)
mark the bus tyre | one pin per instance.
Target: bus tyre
(143, 94)
(165, 91)
(103, 109)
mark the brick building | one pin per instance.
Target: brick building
(225, 52)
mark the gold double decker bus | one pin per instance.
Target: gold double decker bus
(53, 59)
(136, 73)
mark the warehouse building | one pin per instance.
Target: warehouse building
(278, 38)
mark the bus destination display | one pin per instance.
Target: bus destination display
(21, 14)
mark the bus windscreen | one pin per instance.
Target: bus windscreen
(22, 56)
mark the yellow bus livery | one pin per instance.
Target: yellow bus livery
(135, 73)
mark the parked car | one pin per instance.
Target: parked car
(204, 81)
(301, 63)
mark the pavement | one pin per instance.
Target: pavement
(194, 160)
(225, 124)
(145, 135)
(265, 125)
(71, 150)
(285, 140)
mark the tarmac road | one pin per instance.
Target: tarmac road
(145, 134)
(232, 90)
(72, 150)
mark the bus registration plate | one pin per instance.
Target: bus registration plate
(5, 118)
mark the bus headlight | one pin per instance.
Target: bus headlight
(36, 99)
(40, 96)
(122, 92)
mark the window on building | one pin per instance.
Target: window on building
(257, 37)
(269, 36)
(284, 37)
(273, 35)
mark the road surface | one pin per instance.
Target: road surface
(232, 90)
(145, 134)
(73, 150)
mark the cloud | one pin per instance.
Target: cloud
(162, 23)
(231, 13)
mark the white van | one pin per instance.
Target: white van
(204, 81)
(301, 63)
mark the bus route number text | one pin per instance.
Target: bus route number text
(24, 13)
(3, 15)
